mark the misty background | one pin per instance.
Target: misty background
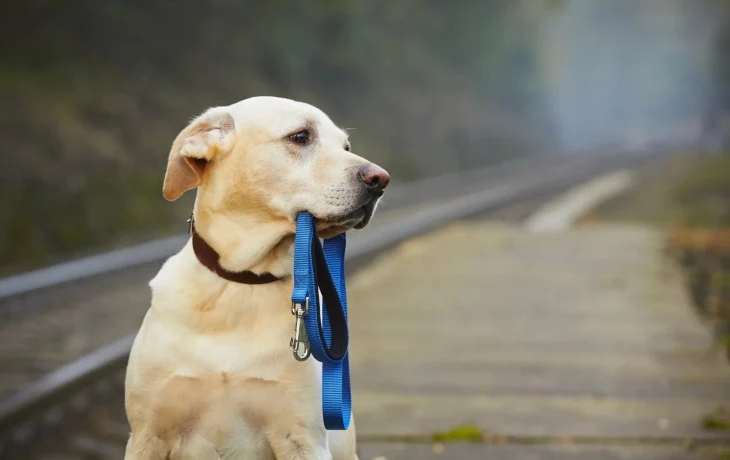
(94, 92)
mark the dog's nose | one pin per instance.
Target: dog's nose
(374, 177)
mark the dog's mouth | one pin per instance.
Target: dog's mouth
(356, 219)
(367, 212)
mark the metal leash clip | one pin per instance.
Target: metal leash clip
(300, 333)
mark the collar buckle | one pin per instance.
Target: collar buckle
(190, 224)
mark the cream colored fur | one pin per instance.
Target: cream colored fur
(211, 374)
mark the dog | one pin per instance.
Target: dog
(211, 373)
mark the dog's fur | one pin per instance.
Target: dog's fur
(211, 374)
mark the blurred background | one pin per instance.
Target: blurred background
(93, 92)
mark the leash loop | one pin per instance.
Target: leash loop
(325, 336)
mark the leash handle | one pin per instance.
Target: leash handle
(322, 269)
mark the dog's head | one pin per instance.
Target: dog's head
(269, 158)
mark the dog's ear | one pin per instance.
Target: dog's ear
(199, 143)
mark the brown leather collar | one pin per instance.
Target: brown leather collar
(209, 258)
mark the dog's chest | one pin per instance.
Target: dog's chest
(221, 327)
(234, 355)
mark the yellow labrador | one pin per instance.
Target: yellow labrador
(211, 374)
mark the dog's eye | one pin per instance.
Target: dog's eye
(300, 137)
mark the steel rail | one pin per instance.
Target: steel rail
(439, 187)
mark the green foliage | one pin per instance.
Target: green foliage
(716, 424)
(461, 433)
(94, 92)
(703, 193)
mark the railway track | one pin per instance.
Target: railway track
(65, 335)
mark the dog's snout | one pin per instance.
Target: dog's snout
(374, 177)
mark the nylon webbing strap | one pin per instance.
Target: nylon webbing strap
(318, 269)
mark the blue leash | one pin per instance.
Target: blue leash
(322, 269)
